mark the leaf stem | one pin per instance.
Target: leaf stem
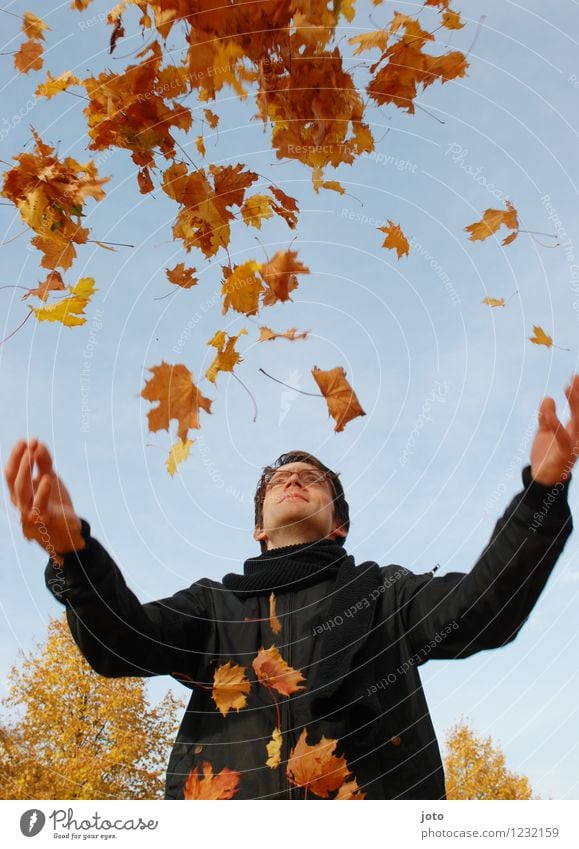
(303, 392)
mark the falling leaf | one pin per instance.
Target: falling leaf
(266, 334)
(224, 785)
(53, 85)
(200, 145)
(33, 27)
(230, 687)
(178, 397)
(256, 208)
(69, 310)
(178, 453)
(280, 275)
(227, 357)
(144, 180)
(181, 276)
(316, 768)
(50, 196)
(274, 622)
(211, 118)
(273, 672)
(343, 405)
(274, 749)
(370, 40)
(491, 221)
(540, 337)
(53, 283)
(349, 790)
(395, 239)
(451, 20)
(494, 302)
(29, 57)
(242, 287)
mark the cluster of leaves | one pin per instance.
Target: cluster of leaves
(316, 115)
(475, 768)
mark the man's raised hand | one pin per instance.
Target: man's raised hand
(46, 511)
(556, 448)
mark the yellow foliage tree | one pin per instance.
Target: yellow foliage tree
(79, 735)
(475, 768)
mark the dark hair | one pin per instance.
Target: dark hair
(341, 509)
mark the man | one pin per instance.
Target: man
(352, 636)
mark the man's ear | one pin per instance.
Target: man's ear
(259, 534)
(338, 531)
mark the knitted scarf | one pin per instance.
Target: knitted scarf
(293, 567)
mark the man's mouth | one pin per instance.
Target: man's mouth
(292, 495)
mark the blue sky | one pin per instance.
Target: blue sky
(447, 383)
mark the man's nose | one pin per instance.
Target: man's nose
(294, 477)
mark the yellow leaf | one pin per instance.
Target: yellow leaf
(68, 311)
(55, 84)
(274, 622)
(179, 452)
(274, 749)
(256, 208)
(494, 302)
(230, 687)
(540, 337)
(395, 239)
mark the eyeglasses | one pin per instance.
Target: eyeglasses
(308, 477)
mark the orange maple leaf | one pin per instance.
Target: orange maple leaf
(540, 337)
(181, 276)
(273, 672)
(395, 239)
(230, 687)
(29, 56)
(491, 221)
(343, 405)
(280, 275)
(494, 302)
(223, 785)
(316, 768)
(178, 397)
(52, 283)
(69, 310)
(227, 357)
(273, 749)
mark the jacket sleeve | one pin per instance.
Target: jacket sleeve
(117, 634)
(458, 614)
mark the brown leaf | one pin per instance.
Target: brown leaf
(227, 357)
(491, 221)
(540, 337)
(266, 334)
(343, 405)
(181, 276)
(395, 239)
(178, 397)
(316, 768)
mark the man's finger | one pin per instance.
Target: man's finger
(41, 496)
(23, 482)
(12, 466)
(43, 459)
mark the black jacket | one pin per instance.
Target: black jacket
(418, 617)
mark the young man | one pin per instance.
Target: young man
(357, 634)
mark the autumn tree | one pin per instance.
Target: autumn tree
(73, 734)
(475, 768)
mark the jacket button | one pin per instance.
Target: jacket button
(395, 740)
(198, 749)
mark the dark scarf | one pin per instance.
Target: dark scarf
(293, 567)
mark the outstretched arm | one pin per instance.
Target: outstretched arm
(458, 614)
(116, 633)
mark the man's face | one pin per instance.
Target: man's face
(296, 512)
